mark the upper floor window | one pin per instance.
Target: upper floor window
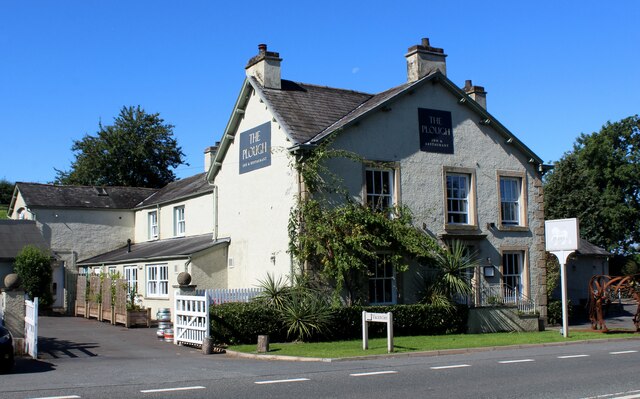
(379, 188)
(459, 196)
(153, 225)
(179, 227)
(512, 199)
(157, 281)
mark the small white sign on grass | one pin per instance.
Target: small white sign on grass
(367, 318)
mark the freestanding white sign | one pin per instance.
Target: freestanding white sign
(561, 238)
(380, 318)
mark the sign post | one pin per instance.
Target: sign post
(379, 318)
(561, 239)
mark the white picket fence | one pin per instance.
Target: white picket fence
(224, 295)
(191, 319)
(31, 327)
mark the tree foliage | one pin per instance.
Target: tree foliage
(138, 150)
(33, 267)
(598, 183)
(340, 239)
(6, 191)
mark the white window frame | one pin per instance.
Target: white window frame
(157, 276)
(152, 218)
(512, 204)
(381, 278)
(131, 276)
(379, 188)
(514, 273)
(179, 223)
(459, 201)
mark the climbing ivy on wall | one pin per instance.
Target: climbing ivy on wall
(336, 237)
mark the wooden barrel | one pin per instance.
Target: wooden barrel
(168, 335)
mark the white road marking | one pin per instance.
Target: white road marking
(622, 352)
(281, 381)
(172, 389)
(516, 361)
(453, 366)
(571, 356)
(373, 373)
(60, 397)
(615, 395)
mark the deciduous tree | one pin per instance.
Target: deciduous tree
(137, 150)
(598, 182)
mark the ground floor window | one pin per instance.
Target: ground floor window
(512, 269)
(157, 281)
(131, 276)
(382, 282)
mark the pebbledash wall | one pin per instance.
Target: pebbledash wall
(253, 204)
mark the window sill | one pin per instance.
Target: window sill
(458, 227)
(156, 297)
(512, 228)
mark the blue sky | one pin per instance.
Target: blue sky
(552, 69)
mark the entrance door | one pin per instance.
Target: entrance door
(57, 285)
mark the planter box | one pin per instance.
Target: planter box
(108, 314)
(81, 308)
(134, 318)
(95, 310)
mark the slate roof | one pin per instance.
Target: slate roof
(15, 234)
(587, 248)
(178, 189)
(308, 109)
(54, 196)
(169, 248)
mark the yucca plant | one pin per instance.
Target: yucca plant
(305, 314)
(274, 291)
(449, 275)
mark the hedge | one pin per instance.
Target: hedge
(241, 323)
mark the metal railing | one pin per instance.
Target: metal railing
(503, 295)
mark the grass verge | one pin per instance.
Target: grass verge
(378, 346)
(3, 212)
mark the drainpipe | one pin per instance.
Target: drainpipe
(158, 219)
(215, 210)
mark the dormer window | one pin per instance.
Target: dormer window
(153, 225)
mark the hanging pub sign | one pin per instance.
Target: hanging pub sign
(255, 148)
(436, 131)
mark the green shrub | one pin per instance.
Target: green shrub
(241, 323)
(33, 266)
(554, 312)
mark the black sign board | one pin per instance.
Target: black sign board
(436, 131)
(255, 148)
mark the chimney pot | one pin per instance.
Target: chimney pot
(265, 68)
(477, 93)
(423, 59)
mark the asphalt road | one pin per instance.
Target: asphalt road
(86, 359)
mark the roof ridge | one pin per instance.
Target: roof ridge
(83, 185)
(332, 88)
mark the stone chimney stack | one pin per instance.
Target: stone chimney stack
(209, 155)
(422, 59)
(265, 67)
(477, 93)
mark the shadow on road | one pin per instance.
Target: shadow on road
(53, 348)
(26, 366)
